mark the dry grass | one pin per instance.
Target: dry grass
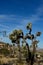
(6, 60)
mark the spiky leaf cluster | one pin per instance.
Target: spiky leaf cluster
(15, 35)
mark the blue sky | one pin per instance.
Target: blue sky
(15, 14)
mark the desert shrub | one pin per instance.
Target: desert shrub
(4, 51)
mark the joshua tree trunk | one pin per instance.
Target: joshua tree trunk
(30, 57)
(19, 51)
(13, 48)
(33, 52)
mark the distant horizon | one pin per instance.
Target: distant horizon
(15, 14)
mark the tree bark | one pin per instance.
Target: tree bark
(19, 51)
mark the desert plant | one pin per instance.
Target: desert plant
(18, 34)
(15, 38)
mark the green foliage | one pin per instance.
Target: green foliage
(29, 26)
(18, 34)
(38, 33)
(15, 35)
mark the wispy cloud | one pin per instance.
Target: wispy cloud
(7, 17)
(4, 26)
(35, 17)
(20, 21)
(11, 17)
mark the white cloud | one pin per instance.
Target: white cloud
(7, 17)
(23, 20)
(4, 26)
(35, 17)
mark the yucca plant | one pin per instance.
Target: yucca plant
(32, 37)
(15, 38)
(18, 34)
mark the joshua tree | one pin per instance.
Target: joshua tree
(32, 37)
(15, 38)
(18, 34)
